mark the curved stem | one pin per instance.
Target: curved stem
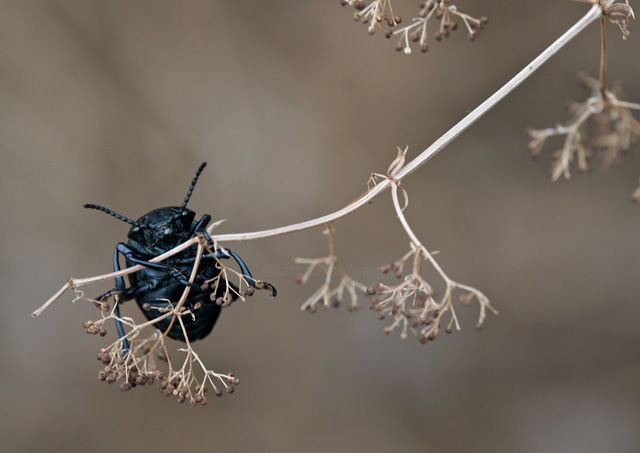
(603, 58)
(414, 239)
(594, 13)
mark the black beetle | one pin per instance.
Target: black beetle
(158, 285)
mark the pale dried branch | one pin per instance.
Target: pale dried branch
(413, 304)
(327, 294)
(602, 125)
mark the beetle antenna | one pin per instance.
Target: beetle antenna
(110, 212)
(192, 186)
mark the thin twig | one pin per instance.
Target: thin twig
(594, 13)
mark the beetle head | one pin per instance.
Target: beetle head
(163, 228)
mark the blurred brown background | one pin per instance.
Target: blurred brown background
(293, 104)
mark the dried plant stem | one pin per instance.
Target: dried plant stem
(77, 282)
(185, 293)
(451, 284)
(414, 239)
(603, 58)
(594, 13)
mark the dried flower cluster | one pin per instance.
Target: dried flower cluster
(141, 357)
(375, 15)
(412, 304)
(603, 125)
(445, 15)
(326, 294)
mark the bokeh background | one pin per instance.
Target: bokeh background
(293, 105)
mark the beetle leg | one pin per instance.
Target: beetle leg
(120, 286)
(246, 273)
(129, 254)
(201, 227)
(108, 293)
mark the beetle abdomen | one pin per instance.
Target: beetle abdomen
(156, 302)
(197, 326)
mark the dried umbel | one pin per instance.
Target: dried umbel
(376, 14)
(412, 305)
(140, 354)
(445, 18)
(441, 14)
(141, 357)
(327, 294)
(600, 126)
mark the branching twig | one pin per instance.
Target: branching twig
(412, 304)
(325, 293)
